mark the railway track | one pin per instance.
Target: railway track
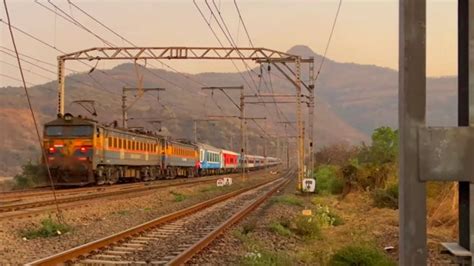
(26, 208)
(15, 196)
(172, 239)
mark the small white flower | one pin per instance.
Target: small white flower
(58, 232)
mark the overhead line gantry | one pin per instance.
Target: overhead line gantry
(258, 55)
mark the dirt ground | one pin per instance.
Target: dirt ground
(256, 242)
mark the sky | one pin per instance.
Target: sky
(366, 31)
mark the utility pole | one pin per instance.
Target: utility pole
(311, 117)
(125, 108)
(242, 120)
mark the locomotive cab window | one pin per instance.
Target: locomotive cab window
(69, 131)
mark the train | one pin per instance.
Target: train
(80, 151)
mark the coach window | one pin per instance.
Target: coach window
(109, 142)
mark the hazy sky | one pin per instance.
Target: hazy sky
(366, 32)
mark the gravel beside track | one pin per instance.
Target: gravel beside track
(107, 216)
(21, 206)
(229, 249)
(161, 245)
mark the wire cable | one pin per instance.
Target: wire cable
(59, 216)
(243, 23)
(329, 41)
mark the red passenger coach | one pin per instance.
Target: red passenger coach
(230, 160)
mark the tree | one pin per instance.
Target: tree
(384, 147)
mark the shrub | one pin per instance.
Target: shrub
(307, 227)
(387, 197)
(360, 255)
(326, 217)
(280, 229)
(31, 175)
(48, 228)
(288, 200)
(329, 180)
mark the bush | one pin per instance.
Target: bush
(307, 227)
(386, 198)
(280, 228)
(327, 217)
(31, 175)
(360, 255)
(48, 228)
(288, 200)
(329, 180)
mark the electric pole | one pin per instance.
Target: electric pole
(125, 108)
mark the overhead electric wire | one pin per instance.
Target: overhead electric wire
(32, 112)
(110, 44)
(219, 41)
(243, 23)
(329, 41)
(229, 38)
(58, 50)
(231, 41)
(131, 43)
(16, 79)
(27, 70)
(47, 70)
(252, 45)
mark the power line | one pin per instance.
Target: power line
(243, 23)
(27, 70)
(13, 78)
(129, 42)
(233, 43)
(57, 49)
(329, 40)
(32, 112)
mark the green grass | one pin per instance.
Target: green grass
(257, 255)
(307, 227)
(327, 217)
(329, 180)
(264, 257)
(48, 228)
(360, 255)
(178, 197)
(288, 200)
(280, 229)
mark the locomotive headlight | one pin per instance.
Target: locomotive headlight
(68, 117)
(83, 149)
(52, 150)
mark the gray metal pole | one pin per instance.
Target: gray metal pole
(411, 111)
(124, 109)
(311, 118)
(464, 99)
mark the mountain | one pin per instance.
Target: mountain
(366, 96)
(182, 102)
(351, 100)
